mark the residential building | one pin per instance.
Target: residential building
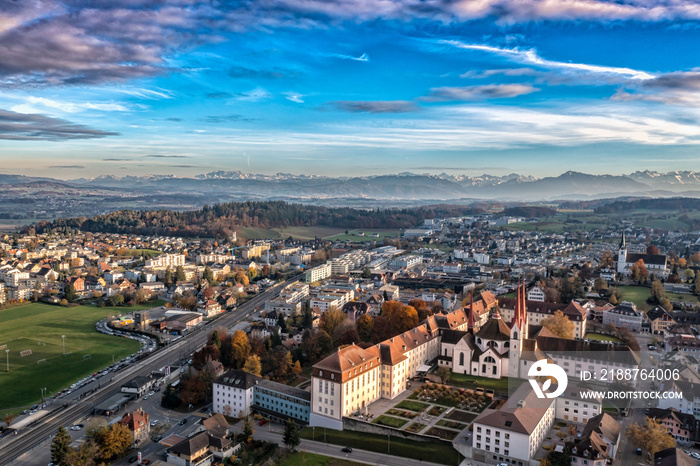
(137, 423)
(624, 315)
(166, 261)
(407, 262)
(233, 393)
(673, 457)
(659, 320)
(318, 273)
(513, 433)
(536, 294)
(683, 427)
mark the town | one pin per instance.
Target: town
(417, 344)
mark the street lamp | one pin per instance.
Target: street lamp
(63, 337)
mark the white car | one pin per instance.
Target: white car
(154, 423)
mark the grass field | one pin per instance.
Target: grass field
(312, 459)
(330, 233)
(412, 405)
(601, 337)
(390, 421)
(434, 452)
(38, 327)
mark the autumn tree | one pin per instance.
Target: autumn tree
(345, 334)
(364, 327)
(600, 285)
(237, 350)
(85, 455)
(559, 325)
(252, 365)
(242, 278)
(193, 391)
(206, 354)
(607, 261)
(60, 447)
(652, 436)
(331, 320)
(401, 318)
(657, 292)
(651, 249)
(444, 373)
(639, 271)
(381, 330)
(695, 258)
(113, 440)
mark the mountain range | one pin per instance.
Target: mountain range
(393, 188)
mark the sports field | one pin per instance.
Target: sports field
(32, 333)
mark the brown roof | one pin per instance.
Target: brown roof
(673, 457)
(345, 363)
(494, 329)
(217, 425)
(522, 418)
(136, 420)
(192, 445)
(605, 425)
(590, 446)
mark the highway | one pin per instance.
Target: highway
(27, 438)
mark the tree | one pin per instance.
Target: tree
(607, 261)
(60, 447)
(113, 440)
(345, 335)
(331, 320)
(652, 437)
(296, 368)
(215, 339)
(639, 271)
(242, 278)
(116, 300)
(566, 290)
(696, 284)
(444, 373)
(600, 285)
(247, 429)
(291, 435)
(84, 455)
(239, 349)
(70, 294)
(168, 279)
(364, 327)
(559, 325)
(307, 316)
(208, 275)
(657, 292)
(252, 365)
(193, 391)
(179, 274)
(206, 354)
(651, 249)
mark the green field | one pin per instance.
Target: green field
(601, 337)
(330, 233)
(440, 453)
(38, 327)
(312, 459)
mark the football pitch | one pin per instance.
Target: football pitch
(33, 334)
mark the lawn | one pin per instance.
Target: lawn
(601, 337)
(360, 236)
(440, 453)
(311, 459)
(412, 405)
(390, 421)
(499, 386)
(442, 433)
(38, 327)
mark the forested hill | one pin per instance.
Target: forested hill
(667, 204)
(221, 220)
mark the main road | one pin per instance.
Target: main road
(27, 438)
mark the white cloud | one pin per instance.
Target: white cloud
(41, 104)
(530, 57)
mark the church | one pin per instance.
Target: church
(655, 263)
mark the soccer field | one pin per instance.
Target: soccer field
(33, 334)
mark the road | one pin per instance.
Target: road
(75, 410)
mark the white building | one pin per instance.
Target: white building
(233, 393)
(318, 273)
(513, 433)
(166, 260)
(535, 294)
(408, 262)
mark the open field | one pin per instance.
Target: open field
(311, 459)
(435, 452)
(330, 233)
(601, 337)
(38, 327)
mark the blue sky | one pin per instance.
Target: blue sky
(348, 87)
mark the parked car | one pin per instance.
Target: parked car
(183, 422)
(154, 423)
(639, 451)
(346, 450)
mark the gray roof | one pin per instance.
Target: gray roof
(285, 389)
(238, 379)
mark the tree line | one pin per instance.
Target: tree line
(221, 220)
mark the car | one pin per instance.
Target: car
(154, 423)
(145, 461)
(646, 411)
(639, 451)
(133, 459)
(346, 450)
(146, 397)
(695, 455)
(183, 422)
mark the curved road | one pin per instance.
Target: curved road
(14, 446)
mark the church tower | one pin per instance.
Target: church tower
(518, 332)
(622, 255)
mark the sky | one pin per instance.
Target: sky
(348, 87)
